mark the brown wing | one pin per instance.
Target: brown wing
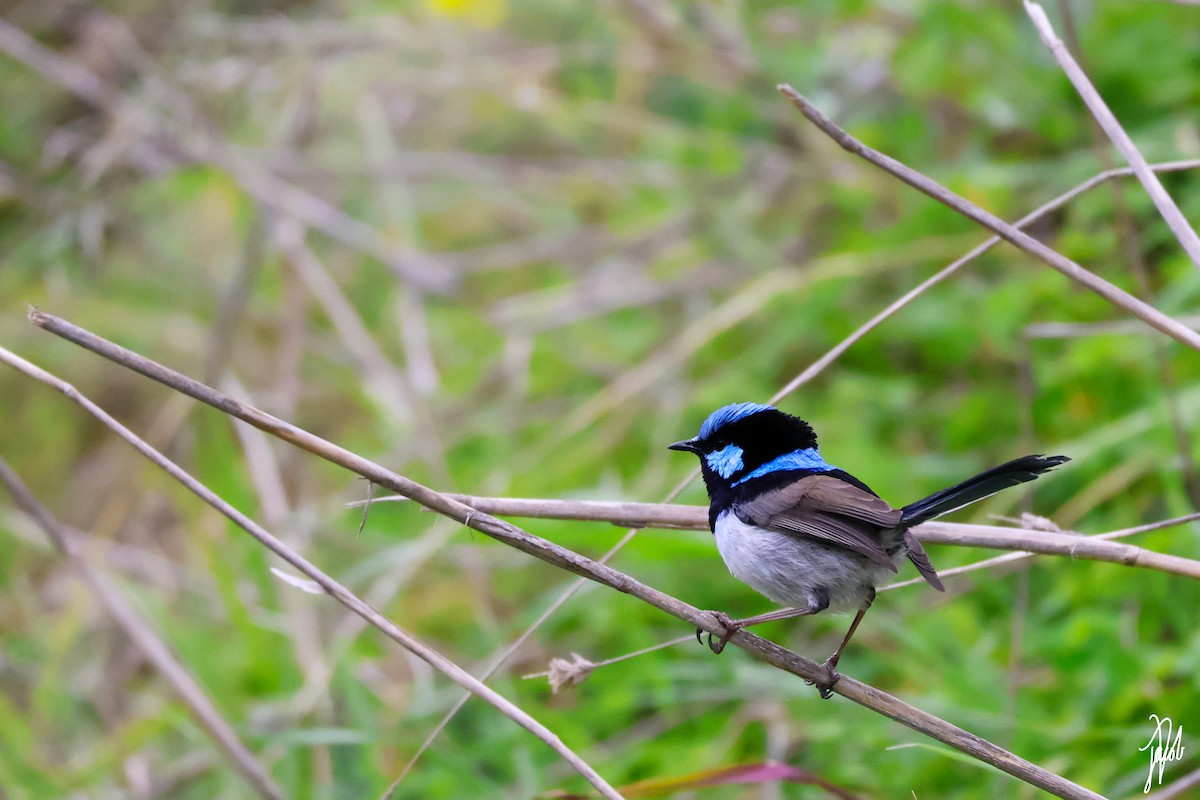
(827, 509)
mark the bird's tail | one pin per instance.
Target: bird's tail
(920, 560)
(985, 484)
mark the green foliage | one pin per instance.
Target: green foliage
(642, 230)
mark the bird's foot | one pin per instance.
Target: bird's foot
(729, 625)
(825, 685)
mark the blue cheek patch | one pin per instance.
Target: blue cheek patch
(807, 459)
(726, 461)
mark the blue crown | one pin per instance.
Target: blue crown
(729, 414)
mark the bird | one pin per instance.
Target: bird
(807, 534)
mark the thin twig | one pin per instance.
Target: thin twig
(1162, 201)
(655, 515)
(1046, 542)
(553, 554)
(1114, 294)
(332, 587)
(1079, 330)
(145, 639)
(624, 656)
(1025, 555)
(572, 673)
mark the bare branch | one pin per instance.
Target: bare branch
(1109, 124)
(1079, 330)
(654, 515)
(1110, 292)
(760, 648)
(1024, 555)
(1006, 559)
(145, 639)
(1063, 544)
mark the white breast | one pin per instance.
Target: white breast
(789, 569)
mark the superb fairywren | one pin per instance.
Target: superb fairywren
(807, 534)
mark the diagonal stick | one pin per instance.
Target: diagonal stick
(1023, 241)
(1120, 139)
(695, 518)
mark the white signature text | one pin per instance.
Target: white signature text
(1162, 747)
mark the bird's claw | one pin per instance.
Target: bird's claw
(825, 686)
(730, 625)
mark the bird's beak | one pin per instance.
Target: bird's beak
(687, 445)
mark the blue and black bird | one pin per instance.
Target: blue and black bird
(807, 534)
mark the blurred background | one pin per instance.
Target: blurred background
(516, 247)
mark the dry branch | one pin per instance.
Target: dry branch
(1080, 330)
(1110, 292)
(1025, 555)
(498, 529)
(695, 518)
(1006, 559)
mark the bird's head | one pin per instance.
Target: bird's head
(749, 440)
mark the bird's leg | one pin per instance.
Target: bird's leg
(729, 627)
(832, 661)
(732, 626)
(825, 687)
